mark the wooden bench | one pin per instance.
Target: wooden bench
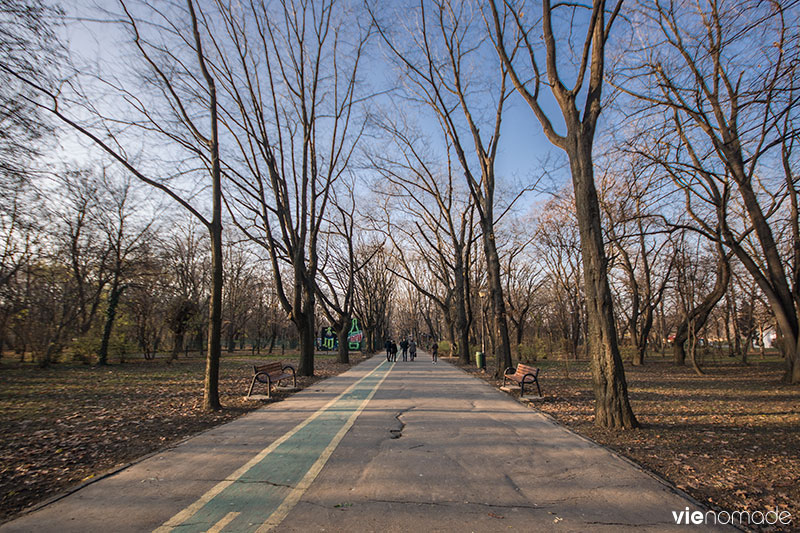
(522, 375)
(270, 374)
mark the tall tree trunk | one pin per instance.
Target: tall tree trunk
(791, 351)
(178, 342)
(214, 353)
(370, 335)
(696, 318)
(462, 330)
(449, 328)
(345, 322)
(612, 407)
(211, 384)
(679, 345)
(771, 277)
(748, 341)
(644, 336)
(431, 327)
(502, 342)
(520, 330)
(460, 302)
(633, 322)
(727, 321)
(305, 330)
(111, 314)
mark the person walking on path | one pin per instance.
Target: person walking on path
(388, 346)
(404, 347)
(393, 351)
(412, 349)
(435, 352)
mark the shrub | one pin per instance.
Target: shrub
(537, 348)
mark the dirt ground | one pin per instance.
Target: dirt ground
(731, 438)
(69, 423)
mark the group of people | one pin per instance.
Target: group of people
(408, 349)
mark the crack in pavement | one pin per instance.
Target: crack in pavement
(453, 503)
(263, 482)
(397, 433)
(249, 481)
(512, 483)
(532, 506)
(568, 499)
(411, 502)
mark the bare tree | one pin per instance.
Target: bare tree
(18, 248)
(612, 408)
(524, 276)
(85, 253)
(144, 303)
(375, 286)
(28, 45)
(293, 96)
(185, 259)
(557, 245)
(427, 216)
(125, 238)
(732, 98)
(341, 266)
(697, 295)
(641, 240)
(745, 309)
(184, 95)
(240, 291)
(443, 62)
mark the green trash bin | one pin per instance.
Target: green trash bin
(480, 360)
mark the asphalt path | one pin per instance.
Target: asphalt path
(406, 446)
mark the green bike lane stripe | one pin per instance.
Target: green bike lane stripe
(259, 495)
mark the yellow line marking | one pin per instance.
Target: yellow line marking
(227, 519)
(294, 496)
(187, 513)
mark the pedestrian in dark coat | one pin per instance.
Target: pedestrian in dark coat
(404, 347)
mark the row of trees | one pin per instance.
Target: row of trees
(350, 195)
(103, 259)
(99, 269)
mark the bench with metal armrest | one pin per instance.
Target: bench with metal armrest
(522, 375)
(271, 374)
